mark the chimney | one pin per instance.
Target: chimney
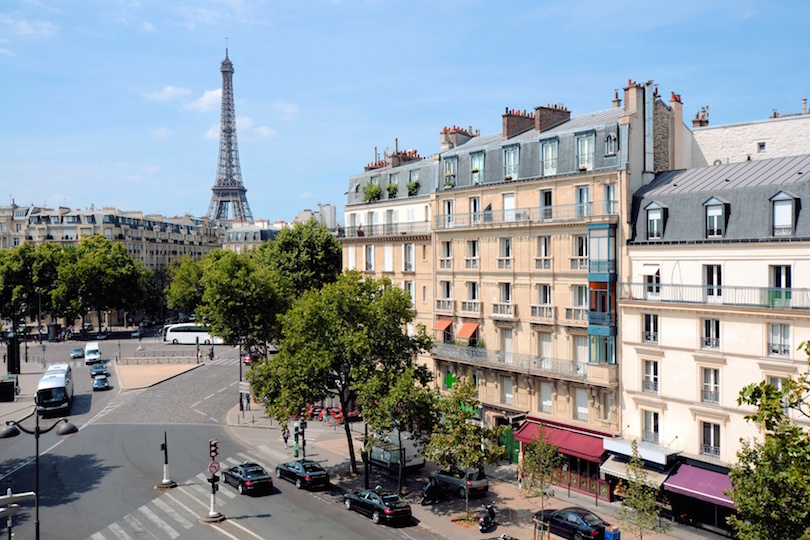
(616, 101)
(401, 157)
(676, 143)
(550, 116)
(450, 137)
(701, 118)
(631, 95)
(516, 122)
(804, 105)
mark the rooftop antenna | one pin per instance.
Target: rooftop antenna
(226, 46)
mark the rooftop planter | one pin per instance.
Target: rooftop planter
(413, 188)
(392, 190)
(371, 192)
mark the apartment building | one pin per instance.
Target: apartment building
(718, 299)
(387, 227)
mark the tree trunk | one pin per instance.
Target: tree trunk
(349, 440)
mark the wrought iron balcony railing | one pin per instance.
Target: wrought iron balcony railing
(763, 297)
(511, 360)
(539, 214)
(387, 229)
(709, 450)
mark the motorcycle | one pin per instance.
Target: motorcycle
(432, 492)
(486, 517)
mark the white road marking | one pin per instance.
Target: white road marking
(208, 397)
(159, 522)
(97, 536)
(246, 530)
(173, 513)
(138, 526)
(213, 420)
(193, 497)
(232, 461)
(195, 404)
(274, 453)
(119, 532)
(198, 411)
(222, 389)
(177, 502)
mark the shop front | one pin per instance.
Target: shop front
(659, 462)
(698, 496)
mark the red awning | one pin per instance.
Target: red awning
(467, 330)
(570, 443)
(701, 484)
(442, 324)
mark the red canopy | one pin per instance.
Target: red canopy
(570, 443)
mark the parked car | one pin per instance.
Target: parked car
(101, 382)
(77, 352)
(98, 369)
(248, 478)
(379, 506)
(303, 473)
(573, 523)
(457, 481)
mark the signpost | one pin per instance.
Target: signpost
(213, 467)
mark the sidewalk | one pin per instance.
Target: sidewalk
(514, 511)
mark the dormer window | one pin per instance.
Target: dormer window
(784, 206)
(611, 144)
(585, 152)
(476, 168)
(715, 218)
(511, 161)
(655, 221)
(549, 158)
(450, 168)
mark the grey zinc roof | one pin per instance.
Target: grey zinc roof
(746, 188)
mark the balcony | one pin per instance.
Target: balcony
(601, 318)
(778, 349)
(543, 313)
(445, 305)
(540, 214)
(758, 297)
(649, 387)
(471, 263)
(710, 396)
(649, 436)
(446, 263)
(504, 263)
(709, 450)
(710, 342)
(471, 308)
(602, 266)
(579, 263)
(504, 310)
(577, 314)
(542, 263)
(649, 337)
(386, 229)
(536, 365)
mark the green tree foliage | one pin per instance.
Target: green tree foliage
(242, 299)
(541, 461)
(458, 440)
(185, 292)
(771, 479)
(639, 511)
(333, 340)
(308, 255)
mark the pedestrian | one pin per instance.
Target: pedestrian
(520, 479)
(285, 434)
(199, 356)
(211, 355)
(247, 401)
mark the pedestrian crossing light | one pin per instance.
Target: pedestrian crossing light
(212, 447)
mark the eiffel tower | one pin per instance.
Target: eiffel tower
(228, 189)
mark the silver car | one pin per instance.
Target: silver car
(473, 481)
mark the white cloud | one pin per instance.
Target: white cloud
(160, 133)
(148, 27)
(167, 93)
(289, 111)
(209, 101)
(6, 52)
(213, 133)
(246, 129)
(25, 27)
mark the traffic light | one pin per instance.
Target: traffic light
(212, 448)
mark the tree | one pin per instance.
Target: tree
(771, 479)
(541, 460)
(185, 292)
(639, 510)
(399, 403)
(334, 339)
(307, 254)
(460, 441)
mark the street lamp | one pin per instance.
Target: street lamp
(12, 429)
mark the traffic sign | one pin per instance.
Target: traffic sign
(213, 467)
(244, 387)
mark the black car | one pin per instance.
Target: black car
(379, 506)
(573, 523)
(98, 369)
(248, 478)
(304, 473)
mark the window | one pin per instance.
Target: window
(711, 334)
(368, 264)
(506, 292)
(506, 344)
(714, 281)
(544, 344)
(445, 290)
(783, 211)
(374, 180)
(410, 289)
(649, 428)
(476, 168)
(585, 153)
(475, 210)
(544, 295)
(471, 304)
(543, 259)
(650, 382)
(471, 261)
(610, 202)
(450, 168)
(504, 307)
(760, 147)
(511, 160)
(505, 255)
(448, 378)
(506, 390)
(607, 406)
(581, 404)
(580, 259)
(408, 254)
(711, 385)
(581, 349)
(650, 333)
(509, 207)
(550, 158)
(545, 397)
(611, 144)
(446, 255)
(714, 221)
(778, 340)
(603, 350)
(583, 206)
(388, 260)
(352, 263)
(448, 213)
(654, 223)
(778, 382)
(546, 207)
(710, 440)
(414, 176)
(652, 284)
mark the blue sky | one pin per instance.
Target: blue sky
(116, 102)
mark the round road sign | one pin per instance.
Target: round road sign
(213, 467)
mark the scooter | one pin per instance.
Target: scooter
(486, 517)
(433, 492)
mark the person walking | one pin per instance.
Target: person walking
(247, 401)
(285, 434)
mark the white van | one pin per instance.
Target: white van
(385, 452)
(92, 353)
(55, 390)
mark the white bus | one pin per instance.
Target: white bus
(55, 390)
(189, 334)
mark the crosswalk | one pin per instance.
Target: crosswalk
(174, 513)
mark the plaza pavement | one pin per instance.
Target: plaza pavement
(514, 511)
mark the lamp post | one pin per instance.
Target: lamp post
(13, 428)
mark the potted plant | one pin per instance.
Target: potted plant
(448, 182)
(392, 189)
(413, 188)
(474, 170)
(371, 192)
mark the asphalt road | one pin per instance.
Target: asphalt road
(99, 483)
